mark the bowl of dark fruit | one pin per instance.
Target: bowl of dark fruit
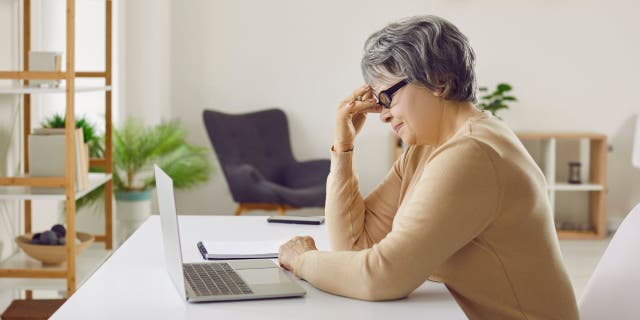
(49, 247)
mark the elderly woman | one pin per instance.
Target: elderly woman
(464, 205)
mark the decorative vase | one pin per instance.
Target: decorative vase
(132, 209)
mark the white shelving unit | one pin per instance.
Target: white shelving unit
(595, 187)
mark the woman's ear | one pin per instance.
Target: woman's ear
(442, 91)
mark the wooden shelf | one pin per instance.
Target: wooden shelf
(48, 75)
(596, 185)
(36, 90)
(31, 193)
(17, 271)
(32, 75)
(533, 135)
(576, 187)
(577, 235)
(87, 263)
(26, 181)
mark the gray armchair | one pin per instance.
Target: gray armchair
(255, 155)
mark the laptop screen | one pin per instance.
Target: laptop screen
(170, 231)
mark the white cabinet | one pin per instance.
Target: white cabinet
(590, 150)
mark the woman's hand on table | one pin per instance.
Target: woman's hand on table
(292, 249)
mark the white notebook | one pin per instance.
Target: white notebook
(226, 250)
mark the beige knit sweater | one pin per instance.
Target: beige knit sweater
(472, 213)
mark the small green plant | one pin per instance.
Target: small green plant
(495, 100)
(91, 136)
(137, 148)
(96, 150)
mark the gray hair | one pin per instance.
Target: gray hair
(427, 50)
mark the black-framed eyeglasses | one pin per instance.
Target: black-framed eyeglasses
(384, 97)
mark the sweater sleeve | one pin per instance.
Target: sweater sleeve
(354, 222)
(456, 198)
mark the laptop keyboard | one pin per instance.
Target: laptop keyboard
(214, 279)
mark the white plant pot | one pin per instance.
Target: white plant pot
(131, 212)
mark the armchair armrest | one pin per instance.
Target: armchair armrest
(307, 173)
(247, 184)
(243, 174)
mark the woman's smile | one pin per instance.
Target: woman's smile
(397, 127)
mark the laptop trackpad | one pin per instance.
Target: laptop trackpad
(262, 276)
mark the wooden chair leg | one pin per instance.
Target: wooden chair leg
(281, 208)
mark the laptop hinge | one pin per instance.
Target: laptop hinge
(189, 291)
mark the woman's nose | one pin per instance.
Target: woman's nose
(386, 116)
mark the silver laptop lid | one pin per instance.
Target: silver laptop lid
(170, 230)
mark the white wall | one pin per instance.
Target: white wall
(573, 64)
(146, 58)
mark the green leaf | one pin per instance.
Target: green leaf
(504, 87)
(487, 96)
(495, 100)
(137, 148)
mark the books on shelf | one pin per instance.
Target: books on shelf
(47, 155)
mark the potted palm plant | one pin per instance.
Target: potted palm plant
(136, 149)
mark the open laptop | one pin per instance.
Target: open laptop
(216, 281)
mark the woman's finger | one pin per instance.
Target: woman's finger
(363, 93)
(360, 92)
(375, 109)
(368, 95)
(369, 105)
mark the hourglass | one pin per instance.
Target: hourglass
(574, 172)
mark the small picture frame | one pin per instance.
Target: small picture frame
(45, 61)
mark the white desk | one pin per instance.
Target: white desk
(133, 283)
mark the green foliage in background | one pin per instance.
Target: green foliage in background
(495, 100)
(137, 148)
